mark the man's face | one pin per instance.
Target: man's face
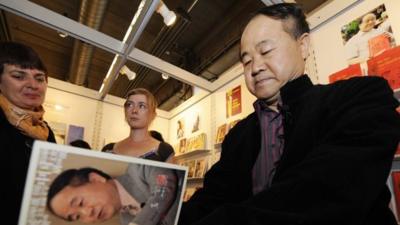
(137, 111)
(25, 88)
(95, 201)
(368, 22)
(271, 57)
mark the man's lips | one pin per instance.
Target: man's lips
(260, 81)
(32, 96)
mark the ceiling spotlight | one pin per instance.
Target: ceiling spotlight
(62, 34)
(127, 72)
(168, 15)
(164, 76)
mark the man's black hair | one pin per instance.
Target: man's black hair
(287, 12)
(71, 177)
(13, 53)
(80, 143)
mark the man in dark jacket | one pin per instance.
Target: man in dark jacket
(309, 154)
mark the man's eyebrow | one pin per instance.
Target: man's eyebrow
(243, 54)
(263, 42)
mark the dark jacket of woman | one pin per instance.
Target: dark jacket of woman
(15, 154)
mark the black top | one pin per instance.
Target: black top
(16, 151)
(162, 153)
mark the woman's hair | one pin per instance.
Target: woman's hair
(151, 100)
(13, 53)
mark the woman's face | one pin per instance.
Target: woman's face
(25, 88)
(138, 113)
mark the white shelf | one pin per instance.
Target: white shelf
(192, 153)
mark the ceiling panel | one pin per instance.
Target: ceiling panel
(204, 41)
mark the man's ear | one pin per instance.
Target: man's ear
(304, 41)
(95, 177)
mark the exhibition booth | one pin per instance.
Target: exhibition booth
(196, 127)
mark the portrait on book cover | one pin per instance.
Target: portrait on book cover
(367, 36)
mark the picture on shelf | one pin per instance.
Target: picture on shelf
(196, 124)
(51, 164)
(201, 167)
(367, 36)
(221, 132)
(191, 168)
(182, 146)
(180, 131)
(198, 142)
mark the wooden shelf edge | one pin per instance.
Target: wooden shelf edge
(191, 153)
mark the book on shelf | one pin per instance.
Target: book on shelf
(395, 188)
(221, 132)
(378, 44)
(201, 167)
(191, 168)
(182, 146)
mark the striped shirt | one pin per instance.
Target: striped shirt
(271, 146)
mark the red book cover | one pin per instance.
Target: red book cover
(396, 189)
(398, 150)
(351, 71)
(378, 44)
(387, 65)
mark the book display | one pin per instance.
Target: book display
(187, 145)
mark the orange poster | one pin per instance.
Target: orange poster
(387, 65)
(351, 71)
(233, 102)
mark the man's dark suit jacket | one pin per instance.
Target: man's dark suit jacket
(339, 145)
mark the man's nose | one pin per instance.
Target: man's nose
(86, 214)
(257, 66)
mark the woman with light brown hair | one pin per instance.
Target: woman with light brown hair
(140, 111)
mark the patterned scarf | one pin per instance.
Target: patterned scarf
(30, 123)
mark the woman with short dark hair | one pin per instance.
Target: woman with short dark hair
(23, 85)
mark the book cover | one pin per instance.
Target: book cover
(387, 65)
(378, 44)
(201, 167)
(51, 163)
(221, 132)
(353, 70)
(396, 190)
